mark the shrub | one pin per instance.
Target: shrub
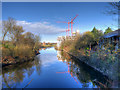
(23, 51)
(6, 52)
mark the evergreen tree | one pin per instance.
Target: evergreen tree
(108, 30)
(97, 34)
(94, 30)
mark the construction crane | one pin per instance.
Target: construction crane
(71, 22)
(68, 26)
(65, 31)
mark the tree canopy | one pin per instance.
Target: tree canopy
(18, 42)
(97, 34)
(108, 30)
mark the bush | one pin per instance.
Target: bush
(20, 51)
(106, 62)
(20, 45)
(5, 52)
(23, 51)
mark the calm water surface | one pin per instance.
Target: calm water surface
(53, 69)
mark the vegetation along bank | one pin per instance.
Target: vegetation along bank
(17, 46)
(96, 49)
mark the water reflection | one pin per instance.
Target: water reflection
(13, 75)
(52, 70)
(82, 73)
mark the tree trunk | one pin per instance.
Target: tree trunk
(4, 38)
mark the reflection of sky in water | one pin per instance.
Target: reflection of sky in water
(48, 57)
(44, 74)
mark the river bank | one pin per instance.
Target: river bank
(17, 60)
(83, 61)
(114, 79)
(111, 73)
(20, 47)
(104, 58)
(52, 69)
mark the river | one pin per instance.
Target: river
(53, 69)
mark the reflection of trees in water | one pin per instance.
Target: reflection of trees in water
(14, 74)
(84, 73)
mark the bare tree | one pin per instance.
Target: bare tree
(7, 27)
(17, 33)
(114, 8)
(29, 39)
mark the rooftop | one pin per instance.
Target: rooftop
(112, 34)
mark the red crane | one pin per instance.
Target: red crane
(71, 22)
(65, 31)
(68, 26)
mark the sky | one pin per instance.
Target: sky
(41, 18)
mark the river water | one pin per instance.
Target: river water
(52, 69)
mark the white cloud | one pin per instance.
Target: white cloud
(40, 27)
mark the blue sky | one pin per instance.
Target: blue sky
(40, 18)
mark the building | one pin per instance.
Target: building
(76, 33)
(112, 38)
(44, 43)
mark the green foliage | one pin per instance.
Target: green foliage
(16, 34)
(5, 52)
(108, 30)
(6, 46)
(23, 51)
(65, 43)
(87, 39)
(105, 60)
(20, 45)
(49, 45)
(94, 30)
(82, 41)
(97, 34)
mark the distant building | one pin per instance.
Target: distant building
(44, 43)
(112, 38)
(76, 33)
